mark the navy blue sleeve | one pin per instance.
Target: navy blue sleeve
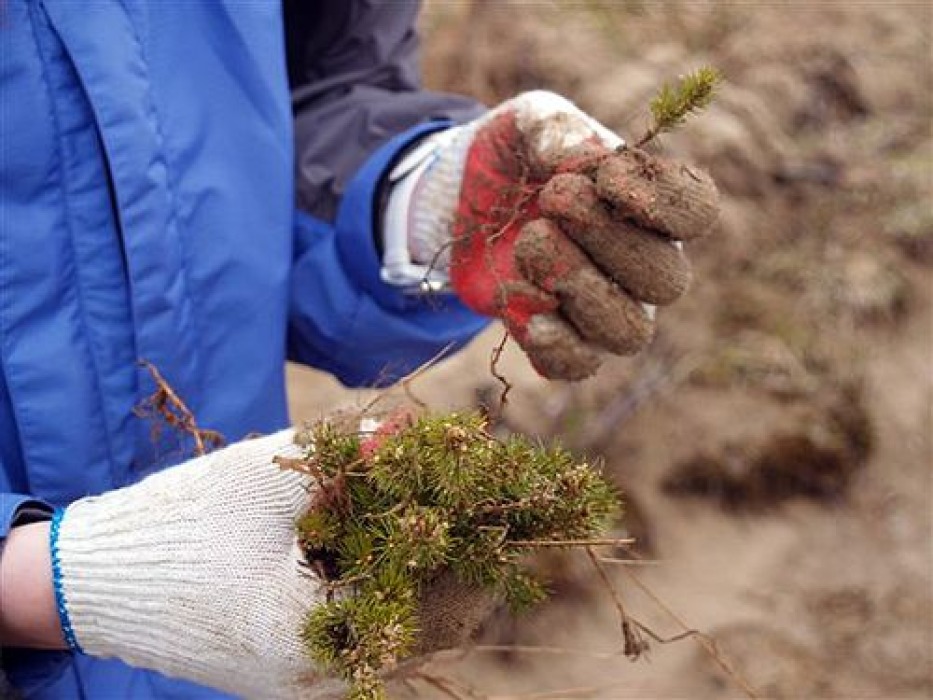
(353, 69)
(355, 80)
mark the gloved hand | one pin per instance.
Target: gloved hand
(195, 572)
(542, 220)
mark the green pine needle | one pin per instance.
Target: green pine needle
(440, 495)
(672, 104)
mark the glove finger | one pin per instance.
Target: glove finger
(602, 313)
(646, 265)
(450, 612)
(518, 301)
(659, 194)
(584, 158)
(555, 349)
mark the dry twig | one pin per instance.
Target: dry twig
(633, 644)
(494, 358)
(165, 406)
(449, 687)
(573, 543)
(704, 640)
(405, 383)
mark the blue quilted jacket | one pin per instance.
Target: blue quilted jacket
(150, 158)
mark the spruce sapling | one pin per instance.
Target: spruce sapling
(434, 500)
(671, 106)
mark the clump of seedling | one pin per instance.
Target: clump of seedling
(416, 524)
(672, 104)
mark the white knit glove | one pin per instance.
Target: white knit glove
(195, 572)
(535, 215)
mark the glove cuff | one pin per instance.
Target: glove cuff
(421, 209)
(60, 601)
(120, 562)
(435, 199)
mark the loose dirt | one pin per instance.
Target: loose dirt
(673, 199)
(602, 312)
(646, 264)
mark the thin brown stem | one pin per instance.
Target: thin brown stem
(572, 543)
(704, 640)
(432, 266)
(648, 136)
(557, 651)
(494, 359)
(449, 687)
(405, 383)
(630, 562)
(589, 691)
(165, 405)
(633, 645)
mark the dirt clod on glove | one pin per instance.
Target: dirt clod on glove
(660, 195)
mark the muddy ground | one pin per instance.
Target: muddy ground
(774, 443)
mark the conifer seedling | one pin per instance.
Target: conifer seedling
(672, 104)
(423, 501)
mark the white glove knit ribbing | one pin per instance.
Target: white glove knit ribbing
(195, 572)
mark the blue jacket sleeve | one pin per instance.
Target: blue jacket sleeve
(16, 509)
(358, 102)
(345, 320)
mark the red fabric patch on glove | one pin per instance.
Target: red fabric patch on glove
(394, 423)
(498, 196)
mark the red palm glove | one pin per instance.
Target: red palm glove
(557, 229)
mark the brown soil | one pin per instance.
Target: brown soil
(658, 194)
(824, 444)
(797, 368)
(556, 351)
(645, 264)
(601, 312)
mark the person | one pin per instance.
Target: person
(214, 188)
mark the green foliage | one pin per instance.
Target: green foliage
(674, 103)
(437, 494)
(360, 636)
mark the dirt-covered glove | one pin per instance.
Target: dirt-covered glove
(195, 572)
(542, 218)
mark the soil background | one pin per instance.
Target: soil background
(774, 443)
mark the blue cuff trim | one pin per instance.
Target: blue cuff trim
(64, 620)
